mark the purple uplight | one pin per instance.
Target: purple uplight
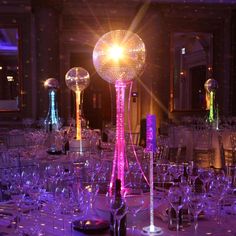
(151, 142)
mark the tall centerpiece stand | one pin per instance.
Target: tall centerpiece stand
(77, 79)
(119, 58)
(213, 116)
(151, 147)
(51, 122)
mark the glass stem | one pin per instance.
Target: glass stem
(195, 223)
(119, 227)
(218, 218)
(114, 224)
(134, 221)
(177, 222)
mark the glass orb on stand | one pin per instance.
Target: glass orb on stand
(77, 79)
(119, 57)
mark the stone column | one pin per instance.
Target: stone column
(233, 65)
(46, 18)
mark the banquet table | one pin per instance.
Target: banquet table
(60, 224)
(50, 222)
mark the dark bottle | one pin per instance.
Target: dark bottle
(65, 143)
(185, 178)
(117, 204)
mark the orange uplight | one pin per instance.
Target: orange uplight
(78, 119)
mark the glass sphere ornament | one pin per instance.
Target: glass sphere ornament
(211, 85)
(77, 79)
(51, 83)
(119, 55)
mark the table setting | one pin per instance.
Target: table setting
(54, 198)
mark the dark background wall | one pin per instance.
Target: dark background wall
(56, 35)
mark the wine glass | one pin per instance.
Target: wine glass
(193, 173)
(177, 198)
(118, 212)
(217, 190)
(205, 176)
(119, 216)
(176, 170)
(196, 205)
(162, 171)
(135, 203)
(89, 194)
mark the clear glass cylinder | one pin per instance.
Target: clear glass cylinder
(52, 120)
(52, 123)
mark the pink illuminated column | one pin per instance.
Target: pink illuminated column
(119, 58)
(119, 155)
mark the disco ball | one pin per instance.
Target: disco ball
(211, 85)
(51, 83)
(77, 79)
(119, 55)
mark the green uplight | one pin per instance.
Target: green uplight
(211, 112)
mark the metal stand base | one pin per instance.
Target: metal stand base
(79, 146)
(152, 230)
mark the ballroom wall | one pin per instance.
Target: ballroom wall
(58, 34)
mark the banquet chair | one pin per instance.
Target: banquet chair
(177, 144)
(230, 150)
(177, 154)
(232, 159)
(135, 138)
(222, 153)
(203, 152)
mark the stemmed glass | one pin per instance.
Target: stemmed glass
(176, 170)
(196, 204)
(117, 214)
(205, 176)
(217, 190)
(119, 217)
(177, 198)
(89, 194)
(162, 171)
(193, 173)
(134, 204)
(66, 199)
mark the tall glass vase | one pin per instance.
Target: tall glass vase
(51, 122)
